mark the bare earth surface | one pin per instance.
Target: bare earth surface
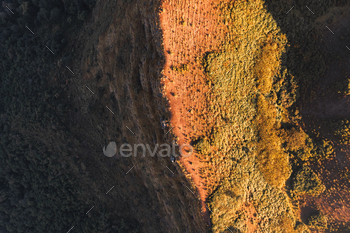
(189, 29)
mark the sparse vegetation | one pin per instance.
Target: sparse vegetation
(241, 79)
(202, 146)
(306, 181)
(182, 68)
(317, 220)
(254, 133)
(341, 130)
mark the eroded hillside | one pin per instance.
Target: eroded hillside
(61, 103)
(259, 89)
(235, 88)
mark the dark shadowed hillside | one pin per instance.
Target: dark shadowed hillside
(62, 63)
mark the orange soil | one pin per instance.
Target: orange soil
(190, 28)
(252, 220)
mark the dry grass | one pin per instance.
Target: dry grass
(273, 161)
(268, 62)
(224, 65)
(307, 182)
(294, 138)
(226, 123)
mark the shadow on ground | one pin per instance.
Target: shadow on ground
(319, 58)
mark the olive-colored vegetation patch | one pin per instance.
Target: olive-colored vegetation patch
(232, 105)
(302, 149)
(306, 181)
(257, 78)
(256, 139)
(226, 205)
(294, 138)
(246, 155)
(255, 134)
(273, 162)
(202, 146)
(181, 68)
(301, 228)
(268, 61)
(340, 130)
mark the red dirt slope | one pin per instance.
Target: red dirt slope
(190, 28)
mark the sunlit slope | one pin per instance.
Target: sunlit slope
(245, 144)
(229, 94)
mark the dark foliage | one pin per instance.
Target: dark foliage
(38, 192)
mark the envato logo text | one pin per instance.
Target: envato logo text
(163, 150)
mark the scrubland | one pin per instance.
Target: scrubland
(238, 102)
(260, 89)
